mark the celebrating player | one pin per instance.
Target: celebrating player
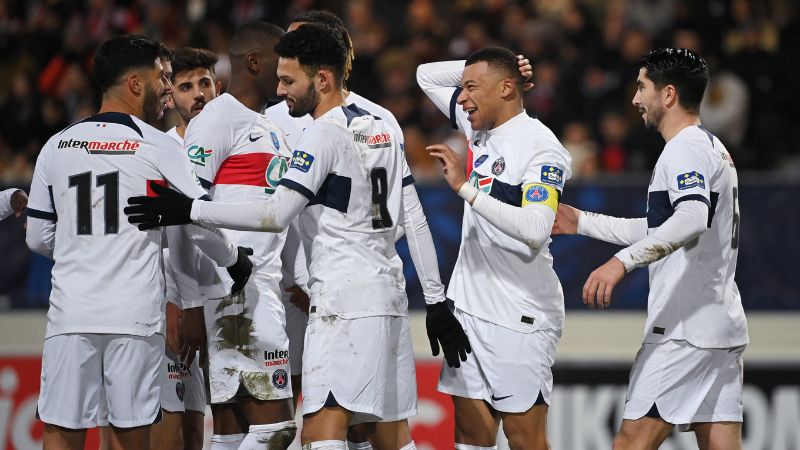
(414, 224)
(104, 342)
(12, 201)
(506, 294)
(689, 241)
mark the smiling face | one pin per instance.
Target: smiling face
(649, 100)
(156, 92)
(193, 89)
(295, 86)
(481, 95)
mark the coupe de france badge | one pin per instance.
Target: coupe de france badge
(302, 160)
(690, 180)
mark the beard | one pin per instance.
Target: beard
(653, 117)
(305, 104)
(153, 107)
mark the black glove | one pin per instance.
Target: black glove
(443, 328)
(169, 208)
(240, 270)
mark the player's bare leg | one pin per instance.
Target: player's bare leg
(358, 436)
(390, 435)
(104, 433)
(274, 419)
(168, 433)
(136, 438)
(193, 427)
(228, 419)
(719, 435)
(645, 433)
(476, 422)
(328, 424)
(296, 389)
(527, 430)
(59, 438)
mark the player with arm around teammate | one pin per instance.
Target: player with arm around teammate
(506, 294)
(347, 192)
(688, 371)
(105, 322)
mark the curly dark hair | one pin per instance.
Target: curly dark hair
(682, 68)
(329, 19)
(189, 58)
(120, 54)
(315, 47)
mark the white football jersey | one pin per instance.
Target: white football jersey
(349, 165)
(496, 277)
(693, 295)
(239, 155)
(107, 276)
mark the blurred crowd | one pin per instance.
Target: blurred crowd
(584, 53)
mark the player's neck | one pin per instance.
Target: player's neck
(246, 95)
(120, 105)
(181, 128)
(672, 124)
(327, 102)
(505, 115)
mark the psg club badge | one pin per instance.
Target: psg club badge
(498, 166)
(280, 378)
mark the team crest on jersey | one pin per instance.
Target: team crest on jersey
(690, 180)
(536, 194)
(280, 378)
(552, 175)
(275, 170)
(197, 154)
(275, 141)
(499, 166)
(482, 183)
(302, 160)
(480, 160)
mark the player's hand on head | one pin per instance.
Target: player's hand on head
(600, 284)
(526, 70)
(170, 207)
(240, 270)
(443, 328)
(566, 220)
(193, 335)
(453, 165)
(19, 201)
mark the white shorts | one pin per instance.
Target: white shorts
(247, 343)
(365, 364)
(89, 380)
(183, 387)
(686, 383)
(296, 322)
(508, 369)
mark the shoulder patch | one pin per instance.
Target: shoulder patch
(481, 159)
(552, 175)
(302, 160)
(690, 180)
(275, 142)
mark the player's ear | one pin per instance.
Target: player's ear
(507, 88)
(669, 95)
(135, 83)
(325, 80)
(252, 62)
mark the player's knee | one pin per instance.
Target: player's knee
(273, 436)
(475, 436)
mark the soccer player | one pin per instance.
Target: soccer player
(506, 294)
(240, 156)
(104, 341)
(688, 371)
(345, 182)
(12, 201)
(415, 224)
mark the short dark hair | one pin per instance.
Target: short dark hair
(682, 68)
(252, 36)
(120, 54)
(329, 19)
(189, 58)
(499, 59)
(315, 47)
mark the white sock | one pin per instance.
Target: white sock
(326, 445)
(271, 436)
(473, 447)
(410, 446)
(359, 445)
(226, 441)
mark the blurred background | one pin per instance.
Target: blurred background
(585, 55)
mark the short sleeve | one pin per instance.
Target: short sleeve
(175, 169)
(545, 176)
(40, 201)
(313, 159)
